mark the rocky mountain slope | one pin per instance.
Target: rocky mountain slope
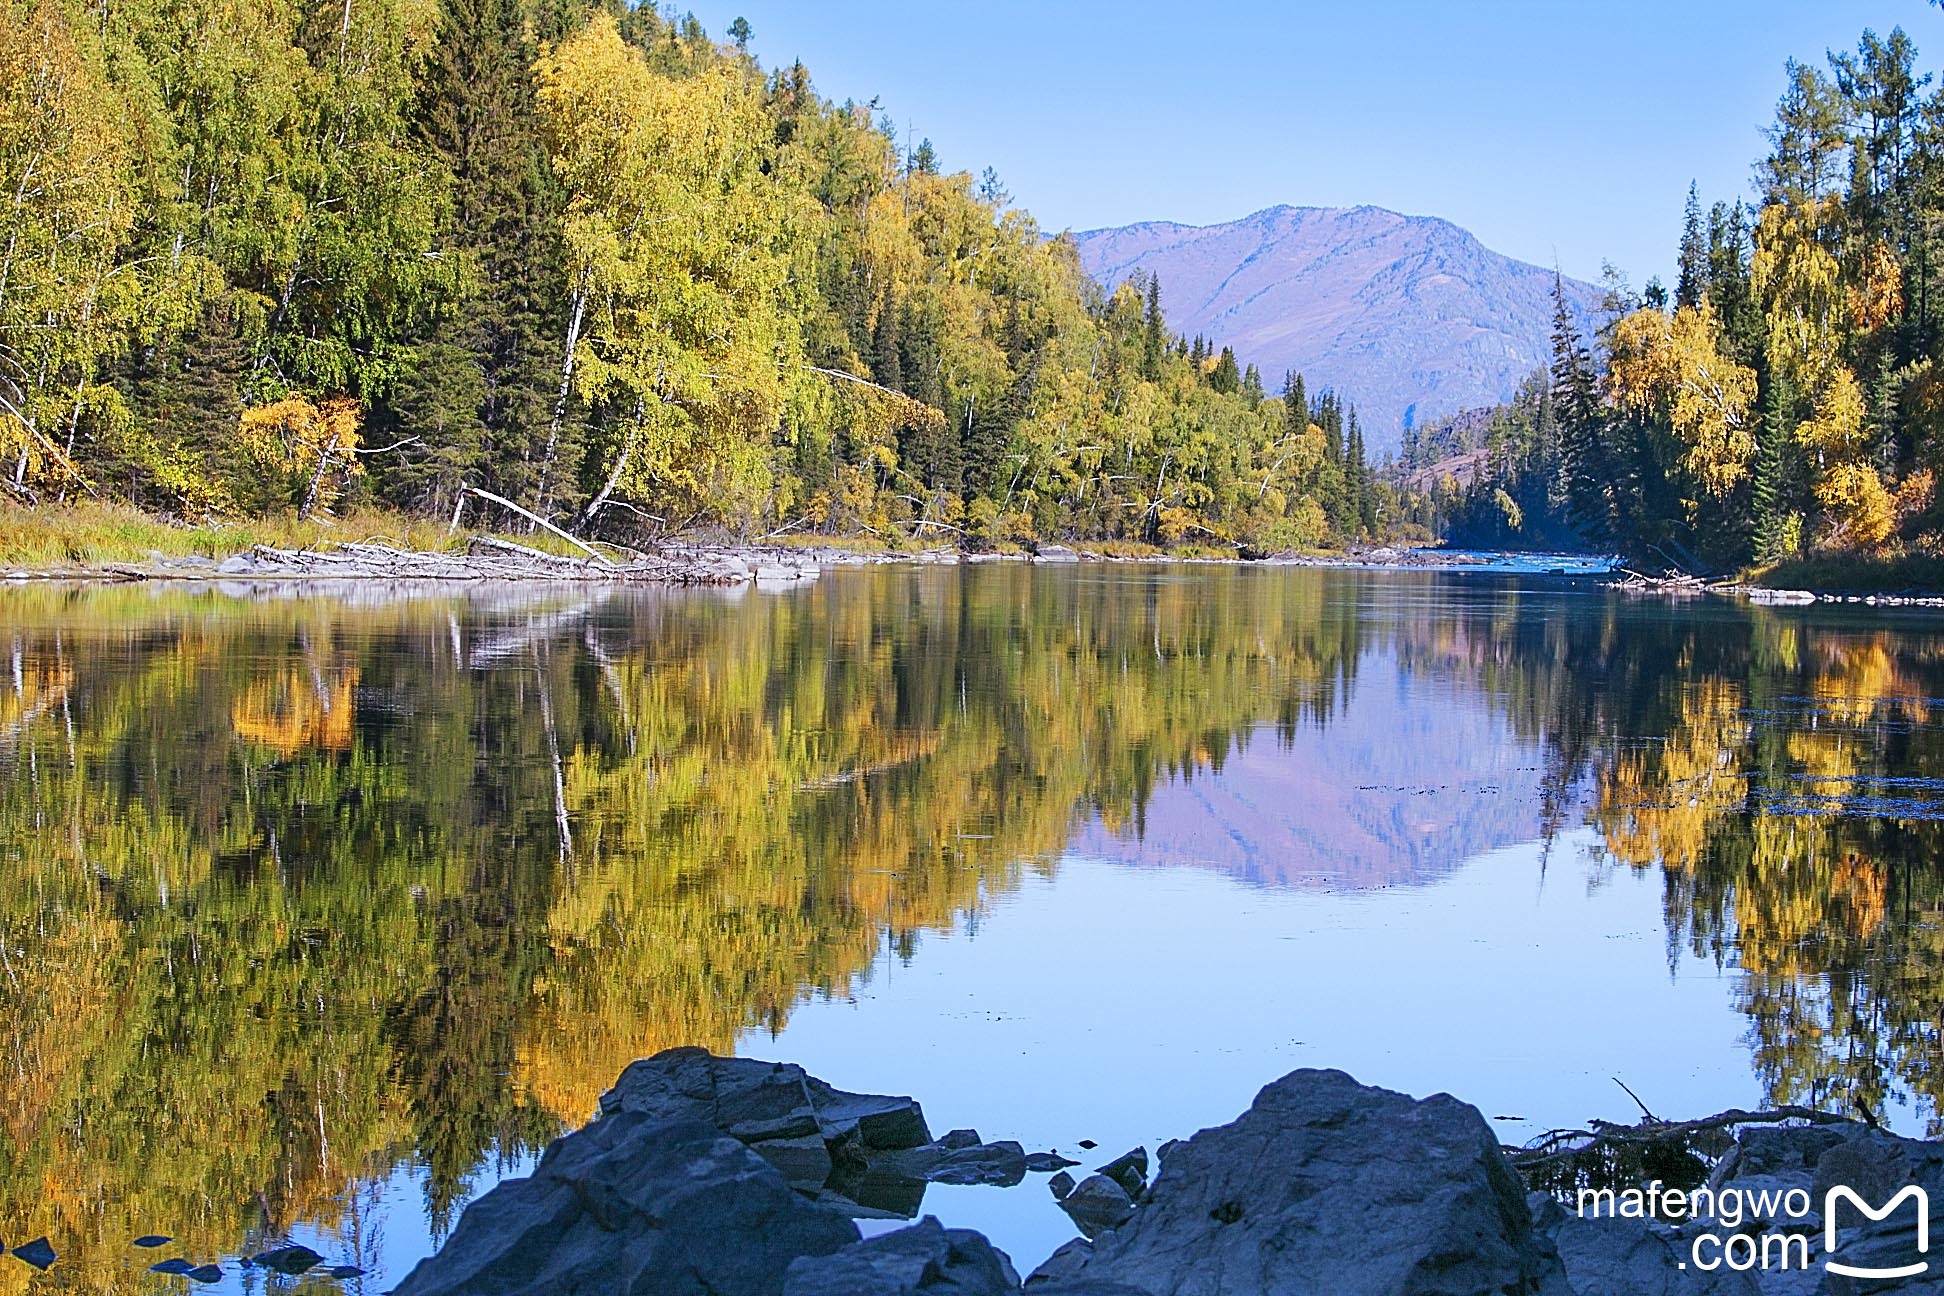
(1411, 317)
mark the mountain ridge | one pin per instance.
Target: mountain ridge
(1409, 317)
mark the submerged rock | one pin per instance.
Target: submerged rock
(1047, 1162)
(632, 1206)
(293, 1259)
(1328, 1186)
(925, 1258)
(1061, 1184)
(153, 1240)
(208, 1273)
(173, 1265)
(39, 1253)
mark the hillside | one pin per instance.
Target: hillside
(1410, 316)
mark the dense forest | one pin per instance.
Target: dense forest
(1785, 397)
(289, 257)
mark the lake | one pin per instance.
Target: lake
(320, 912)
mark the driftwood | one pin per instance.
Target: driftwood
(536, 519)
(1563, 1144)
(485, 559)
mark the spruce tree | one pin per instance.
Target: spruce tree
(1225, 377)
(1154, 339)
(1576, 407)
(1694, 264)
(494, 351)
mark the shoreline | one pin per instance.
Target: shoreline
(484, 559)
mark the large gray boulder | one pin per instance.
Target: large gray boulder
(631, 1206)
(925, 1258)
(1330, 1187)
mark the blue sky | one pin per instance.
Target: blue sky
(1562, 130)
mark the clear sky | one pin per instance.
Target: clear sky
(1553, 129)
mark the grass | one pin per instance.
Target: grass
(92, 534)
(1845, 573)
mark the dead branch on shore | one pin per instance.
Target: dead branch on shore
(1560, 1145)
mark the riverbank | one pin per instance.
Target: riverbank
(93, 541)
(740, 1177)
(106, 542)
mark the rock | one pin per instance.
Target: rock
(802, 1160)
(1066, 1262)
(1047, 1162)
(927, 1257)
(1628, 1257)
(288, 1260)
(806, 1128)
(1129, 1170)
(878, 1122)
(345, 1271)
(1877, 1166)
(1087, 1145)
(153, 1240)
(173, 1265)
(1061, 1184)
(38, 1253)
(236, 565)
(1086, 1287)
(960, 1138)
(1000, 1165)
(1773, 1150)
(1097, 1205)
(1055, 554)
(632, 1205)
(1326, 1185)
(204, 1274)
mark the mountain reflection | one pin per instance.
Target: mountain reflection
(293, 891)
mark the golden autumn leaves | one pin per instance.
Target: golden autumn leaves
(1676, 370)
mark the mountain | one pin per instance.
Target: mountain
(1410, 317)
(1410, 778)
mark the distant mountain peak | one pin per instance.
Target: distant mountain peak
(1410, 317)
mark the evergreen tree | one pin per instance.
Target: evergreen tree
(887, 348)
(479, 394)
(1695, 268)
(1225, 377)
(1576, 407)
(1154, 337)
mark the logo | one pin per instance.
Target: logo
(1842, 1194)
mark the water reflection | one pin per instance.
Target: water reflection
(299, 894)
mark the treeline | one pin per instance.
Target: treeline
(1786, 396)
(280, 256)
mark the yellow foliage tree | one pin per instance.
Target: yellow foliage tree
(315, 444)
(1672, 366)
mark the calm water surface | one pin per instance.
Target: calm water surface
(319, 914)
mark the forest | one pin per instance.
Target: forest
(284, 257)
(1785, 398)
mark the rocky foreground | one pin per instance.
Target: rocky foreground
(707, 1176)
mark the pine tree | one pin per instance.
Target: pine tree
(1296, 413)
(1225, 377)
(887, 358)
(1694, 262)
(496, 348)
(1154, 338)
(1766, 505)
(1576, 406)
